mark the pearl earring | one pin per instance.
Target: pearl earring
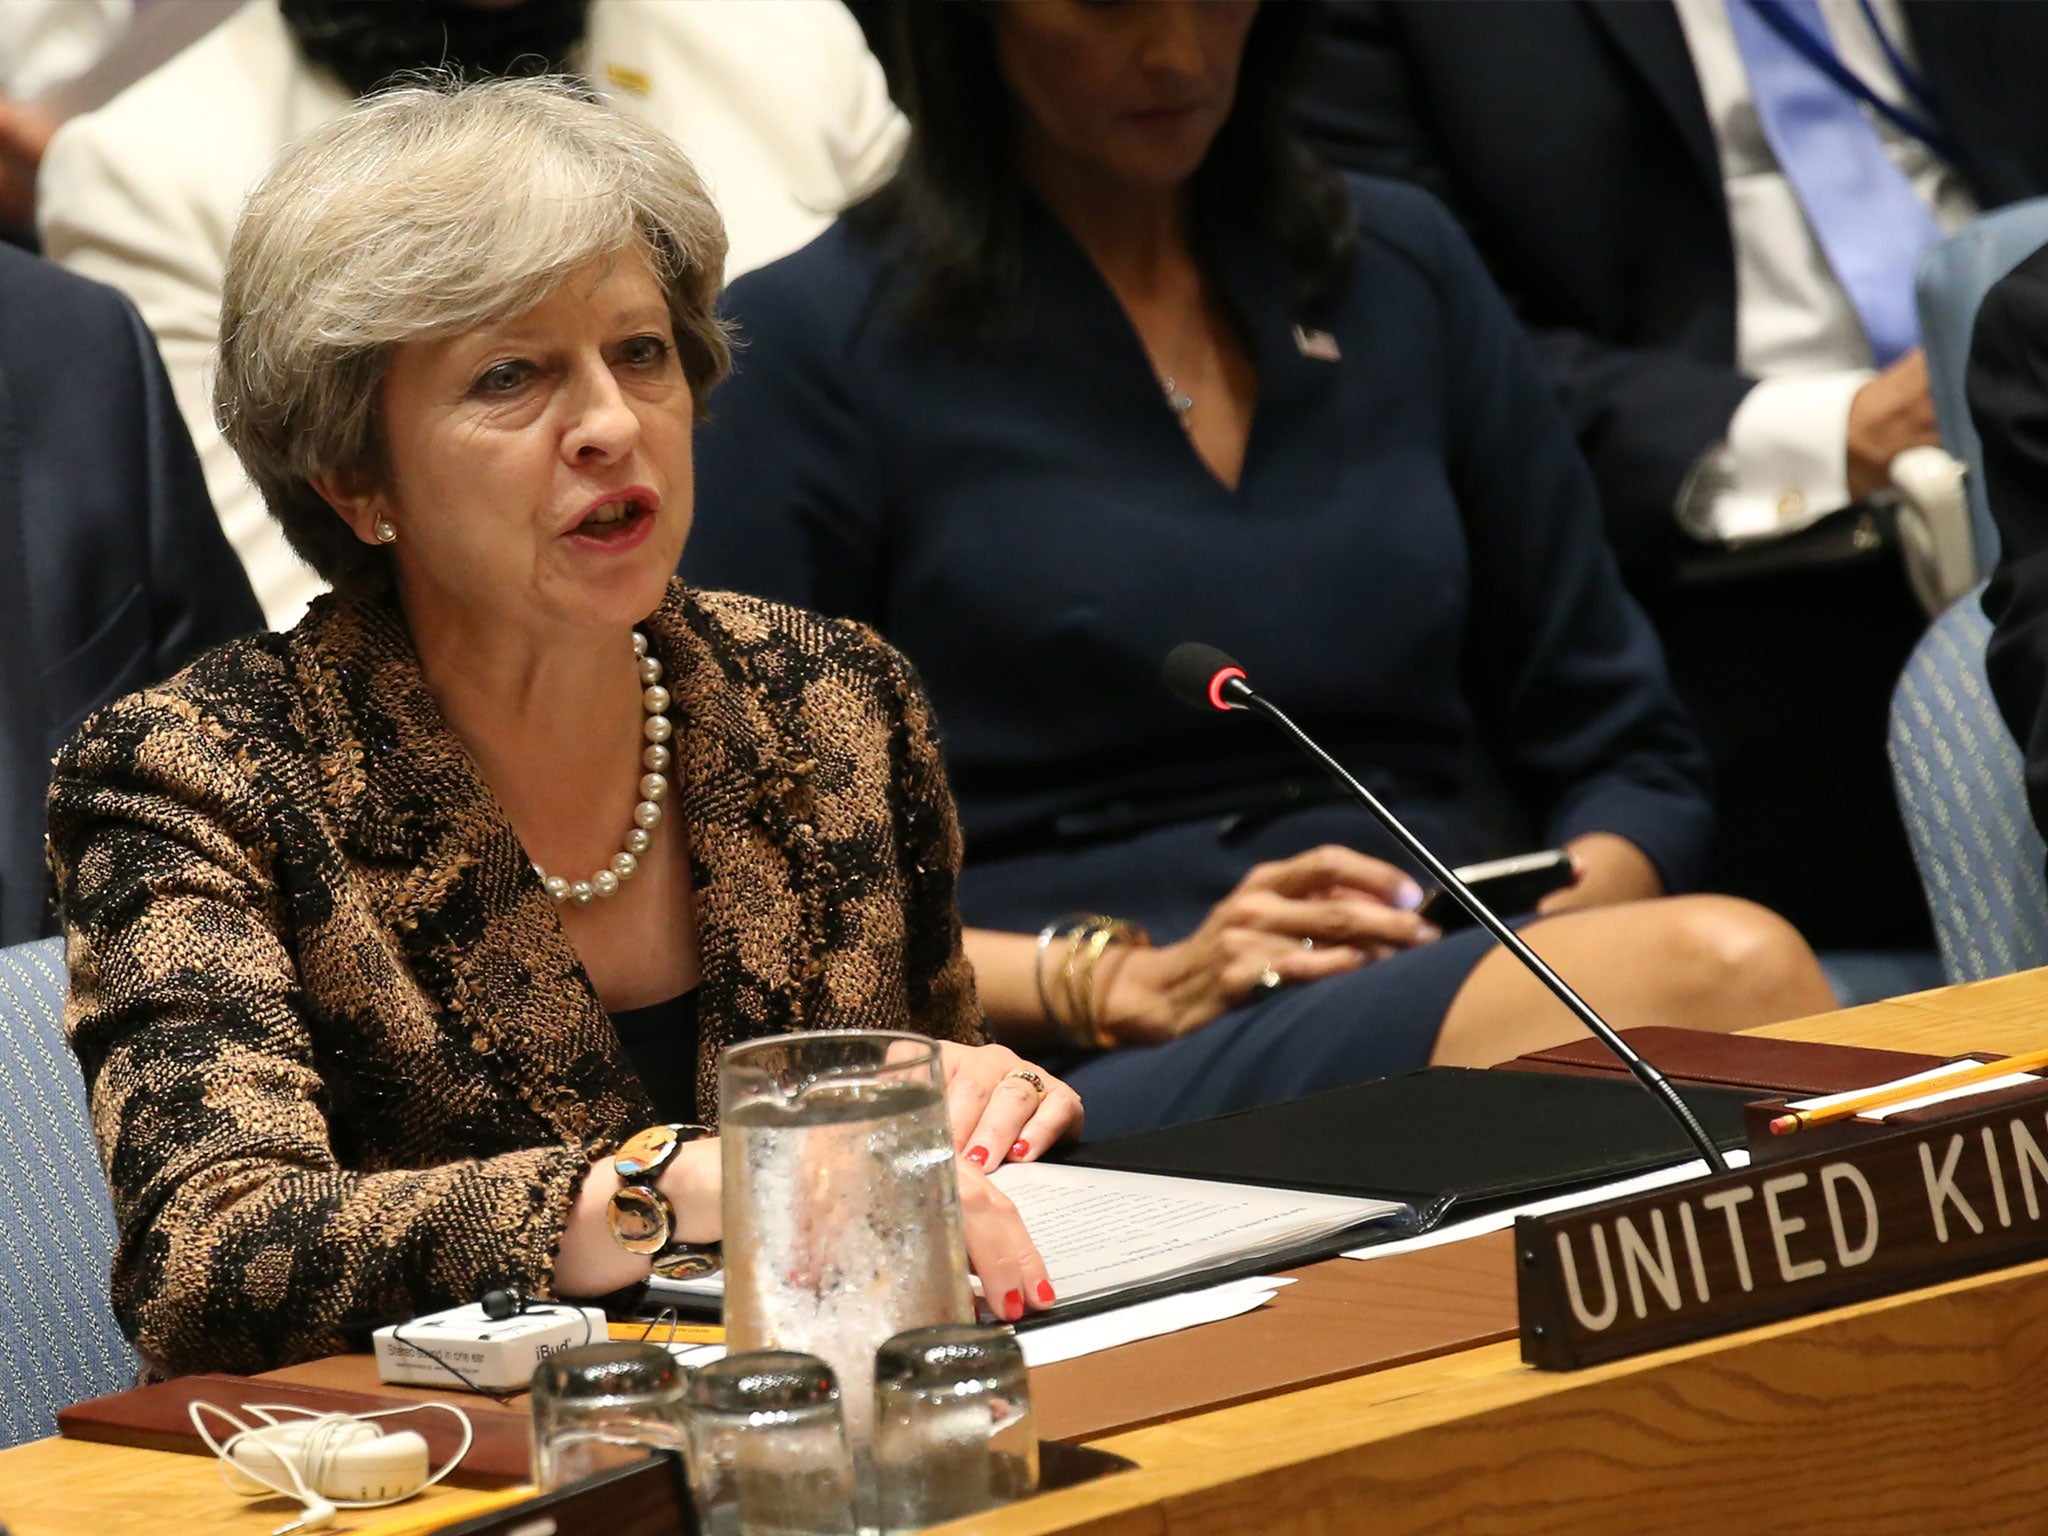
(385, 531)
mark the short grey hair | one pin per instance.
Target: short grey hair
(425, 212)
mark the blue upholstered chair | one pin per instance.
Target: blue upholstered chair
(1952, 281)
(1958, 775)
(58, 1339)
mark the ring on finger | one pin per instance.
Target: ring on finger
(1030, 1078)
(1269, 980)
(1307, 943)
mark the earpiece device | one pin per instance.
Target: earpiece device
(490, 1346)
(501, 1306)
(327, 1461)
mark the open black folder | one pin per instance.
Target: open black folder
(1448, 1142)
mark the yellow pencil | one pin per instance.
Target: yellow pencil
(1898, 1093)
(670, 1333)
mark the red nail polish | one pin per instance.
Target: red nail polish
(978, 1156)
(1019, 1150)
(1045, 1295)
(1013, 1305)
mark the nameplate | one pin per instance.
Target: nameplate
(1694, 1260)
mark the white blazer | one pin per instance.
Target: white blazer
(778, 103)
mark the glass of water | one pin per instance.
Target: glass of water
(600, 1406)
(842, 1215)
(953, 1430)
(768, 1447)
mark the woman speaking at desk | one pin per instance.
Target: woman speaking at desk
(1112, 365)
(384, 932)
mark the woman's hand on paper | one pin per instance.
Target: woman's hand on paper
(999, 1250)
(998, 1113)
(999, 1116)
(1320, 913)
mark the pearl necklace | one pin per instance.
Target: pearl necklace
(655, 757)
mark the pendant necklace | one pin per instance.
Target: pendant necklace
(1178, 400)
(1181, 403)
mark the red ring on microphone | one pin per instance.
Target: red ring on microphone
(1216, 685)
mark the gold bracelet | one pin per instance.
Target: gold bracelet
(1119, 932)
(1085, 948)
(1084, 985)
(1058, 928)
(1073, 1027)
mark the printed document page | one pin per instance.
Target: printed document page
(1105, 1230)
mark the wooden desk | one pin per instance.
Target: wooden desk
(1914, 1414)
(1339, 1319)
(60, 1487)
(2007, 1014)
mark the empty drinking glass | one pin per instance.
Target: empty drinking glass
(600, 1406)
(768, 1447)
(953, 1431)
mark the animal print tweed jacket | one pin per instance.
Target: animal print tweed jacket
(345, 1066)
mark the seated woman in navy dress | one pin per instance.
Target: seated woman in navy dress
(1110, 365)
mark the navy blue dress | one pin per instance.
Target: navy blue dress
(1412, 563)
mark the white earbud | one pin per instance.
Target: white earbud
(328, 1462)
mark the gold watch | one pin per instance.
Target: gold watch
(641, 1219)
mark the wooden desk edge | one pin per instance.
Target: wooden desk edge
(2002, 1014)
(1191, 1463)
(1197, 1474)
(1192, 1470)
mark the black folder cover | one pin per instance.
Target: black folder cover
(1450, 1142)
(1446, 1140)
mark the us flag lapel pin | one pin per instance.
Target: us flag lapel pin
(1320, 345)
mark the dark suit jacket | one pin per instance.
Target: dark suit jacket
(1571, 138)
(344, 1062)
(113, 570)
(2009, 400)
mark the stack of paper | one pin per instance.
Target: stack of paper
(1105, 1330)
(1146, 1319)
(1102, 1231)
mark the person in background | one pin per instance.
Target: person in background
(388, 934)
(1707, 213)
(778, 101)
(1111, 364)
(113, 571)
(2008, 387)
(43, 44)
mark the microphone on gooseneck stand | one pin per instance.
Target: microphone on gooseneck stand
(1202, 676)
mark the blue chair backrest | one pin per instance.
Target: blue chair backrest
(1952, 280)
(59, 1343)
(1958, 773)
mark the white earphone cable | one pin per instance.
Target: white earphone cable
(315, 1456)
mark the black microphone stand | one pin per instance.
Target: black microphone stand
(1235, 693)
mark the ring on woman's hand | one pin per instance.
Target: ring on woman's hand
(1036, 1082)
(1308, 943)
(1270, 980)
